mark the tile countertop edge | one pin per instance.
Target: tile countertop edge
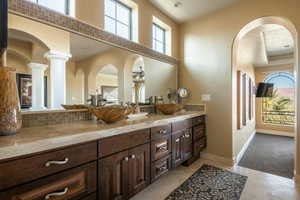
(22, 150)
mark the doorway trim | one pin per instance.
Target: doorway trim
(292, 29)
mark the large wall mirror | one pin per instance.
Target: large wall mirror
(56, 67)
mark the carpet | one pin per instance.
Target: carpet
(271, 154)
(210, 183)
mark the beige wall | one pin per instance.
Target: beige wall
(93, 13)
(43, 32)
(246, 54)
(206, 52)
(261, 74)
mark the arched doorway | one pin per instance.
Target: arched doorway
(242, 131)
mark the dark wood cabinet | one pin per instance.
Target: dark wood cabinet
(72, 184)
(124, 174)
(177, 148)
(187, 144)
(139, 169)
(113, 177)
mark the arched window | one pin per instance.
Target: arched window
(280, 109)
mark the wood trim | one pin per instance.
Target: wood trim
(47, 16)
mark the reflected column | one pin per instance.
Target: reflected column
(57, 78)
(38, 85)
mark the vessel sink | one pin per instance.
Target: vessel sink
(169, 109)
(111, 114)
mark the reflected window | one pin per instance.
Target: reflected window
(118, 18)
(159, 38)
(62, 6)
(280, 109)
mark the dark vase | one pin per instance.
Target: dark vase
(10, 112)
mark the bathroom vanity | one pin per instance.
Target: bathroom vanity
(90, 161)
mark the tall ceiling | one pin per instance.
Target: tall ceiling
(268, 45)
(190, 9)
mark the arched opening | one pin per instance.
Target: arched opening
(251, 63)
(107, 83)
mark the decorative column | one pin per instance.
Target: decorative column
(38, 85)
(57, 78)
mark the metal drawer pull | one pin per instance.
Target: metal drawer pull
(57, 162)
(186, 136)
(126, 159)
(163, 131)
(55, 194)
(163, 168)
(177, 140)
(132, 156)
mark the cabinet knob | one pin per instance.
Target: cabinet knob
(132, 156)
(177, 140)
(186, 135)
(56, 194)
(55, 162)
(126, 159)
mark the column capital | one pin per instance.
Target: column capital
(57, 55)
(38, 66)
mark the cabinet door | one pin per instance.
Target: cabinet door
(139, 169)
(177, 148)
(187, 144)
(113, 177)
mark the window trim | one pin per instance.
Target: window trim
(154, 40)
(67, 6)
(117, 2)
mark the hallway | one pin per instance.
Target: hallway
(271, 154)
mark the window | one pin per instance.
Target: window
(62, 6)
(118, 18)
(280, 109)
(159, 38)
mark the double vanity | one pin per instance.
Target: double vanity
(87, 160)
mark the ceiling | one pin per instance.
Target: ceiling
(82, 47)
(270, 45)
(190, 9)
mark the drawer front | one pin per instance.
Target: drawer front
(69, 185)
(199, 145)
(119, 143)
(28, 169)
(198, 120)
(161, 147)
(198, 132)
(181, 125)
(90, 197)
(160, 131)
(160, 167)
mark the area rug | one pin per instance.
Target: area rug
(210, 183)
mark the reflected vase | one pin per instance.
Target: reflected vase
(10, 112)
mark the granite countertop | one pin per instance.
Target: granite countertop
(44, 138)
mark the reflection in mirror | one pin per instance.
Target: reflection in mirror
(75, 70)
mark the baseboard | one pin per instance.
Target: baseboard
(243, 150)
(273, 132)
(217, 158)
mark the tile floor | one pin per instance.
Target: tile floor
(260, 186)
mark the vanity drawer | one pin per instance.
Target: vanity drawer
(160, 167)
(122, 142)
(90, 197)
(160, 131)
(198, 131)
(28, 169)
(69, 185)
(181, 125)
(198, 120)
(161, 148)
